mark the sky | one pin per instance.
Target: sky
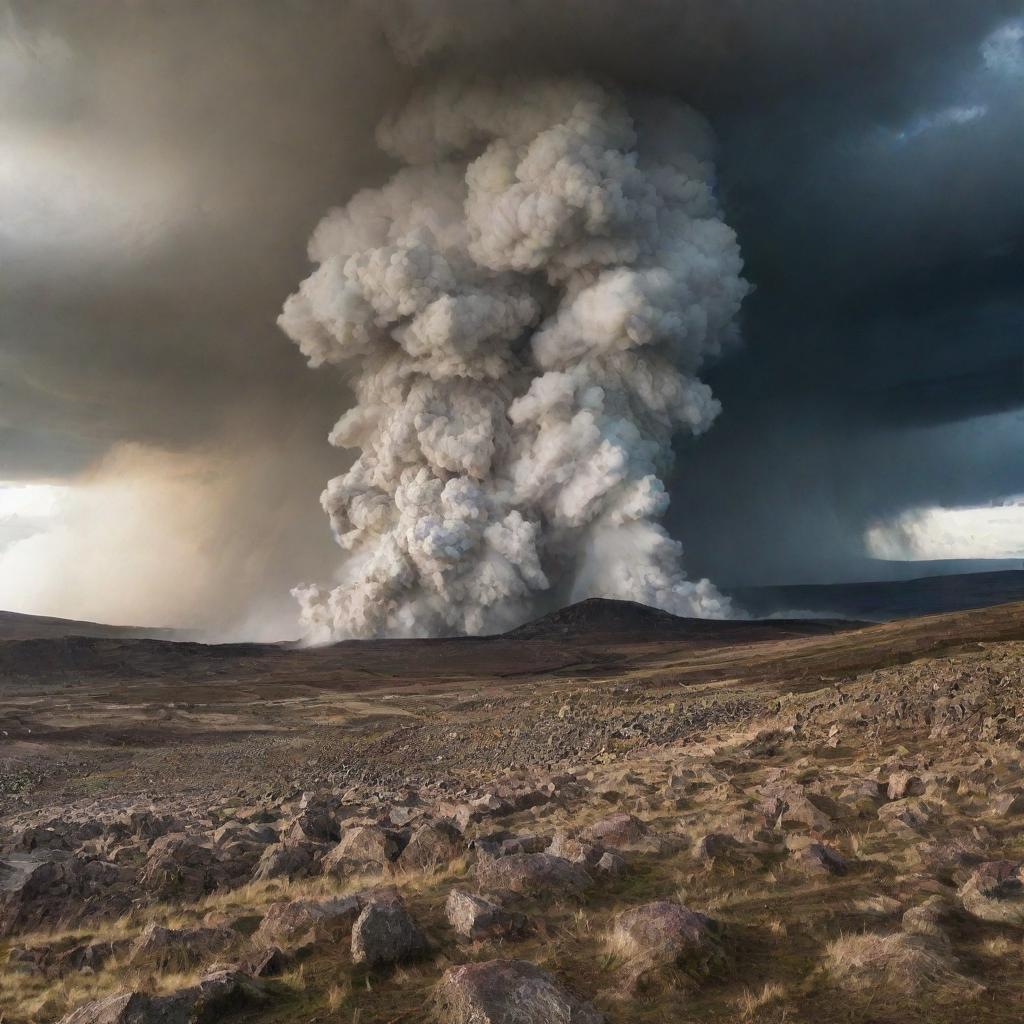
(163, 446)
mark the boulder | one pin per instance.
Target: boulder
(533, 873)
(432, 845)
(202, 1003)
(817, 857)
(299, 924)
(508, 992)
(178, 866)
(385, 933)
(995, 893)
(291, 859)
(50, 887)
(665, 934)
(621, 830)
(474, 917)
(578, 851)
(165, 949)
(903, 784)
(363, 848)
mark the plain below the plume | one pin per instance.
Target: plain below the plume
(881, 601)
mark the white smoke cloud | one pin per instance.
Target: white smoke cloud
(522, 311)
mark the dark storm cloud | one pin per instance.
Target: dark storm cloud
(164, 163)
(161, 165)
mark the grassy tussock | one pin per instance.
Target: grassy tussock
(912, 964)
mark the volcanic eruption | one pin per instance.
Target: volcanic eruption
(521, 312)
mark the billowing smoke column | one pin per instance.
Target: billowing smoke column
(522, 311)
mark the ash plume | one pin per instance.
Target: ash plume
(522, 312)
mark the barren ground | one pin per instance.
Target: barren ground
(144, 782)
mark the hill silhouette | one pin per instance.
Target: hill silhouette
(625, 620)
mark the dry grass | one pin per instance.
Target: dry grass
(785, 926)
(749, 1002)
(909, 964)
(877, 906)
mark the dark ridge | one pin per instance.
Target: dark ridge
(883, 601)
(629, 620)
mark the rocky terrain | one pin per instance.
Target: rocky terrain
(571, 826)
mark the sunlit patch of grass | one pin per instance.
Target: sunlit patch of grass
(749, 1001)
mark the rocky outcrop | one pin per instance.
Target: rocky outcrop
(179, 866)
(47, 887)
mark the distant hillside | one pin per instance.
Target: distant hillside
(881, 601)
(16, 626)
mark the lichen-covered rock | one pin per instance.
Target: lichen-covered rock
(299, 924)
(621, 830)
(508, 992)
(290, 859)
(385, 933)
(179, 866)
(432, 845)
(474, 917)
(817, 857)
(47, 887)
(166, 949)
(205, 1002)
(362, 848)
(534, 874)
(665, 934)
